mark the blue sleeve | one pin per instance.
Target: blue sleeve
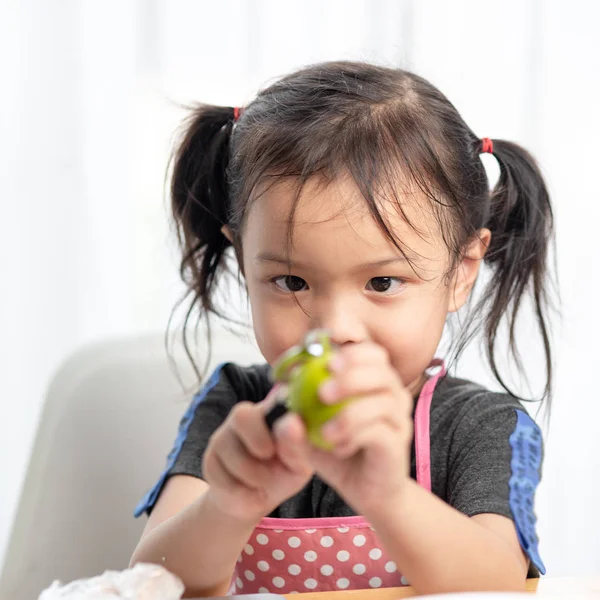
(526, 444)
(494, 466)
(192, 463)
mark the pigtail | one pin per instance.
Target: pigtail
(200, 205)
(521, 223)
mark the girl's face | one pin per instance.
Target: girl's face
(348, 277)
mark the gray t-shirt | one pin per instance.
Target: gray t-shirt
(486, 451)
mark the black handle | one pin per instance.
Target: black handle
(276, 412)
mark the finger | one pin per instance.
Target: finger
(363, 413)
(358, 381)
(248, 422)
(323, 462)
(364, 353)
(274, 396)
(217, 475)
(292, 444)
(241, 465)
(380, 436)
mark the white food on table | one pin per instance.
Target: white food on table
(142, 582)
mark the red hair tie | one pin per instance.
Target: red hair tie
(237, 113)
(487, 146)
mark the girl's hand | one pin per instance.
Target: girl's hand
(371, 436)
(250, 471)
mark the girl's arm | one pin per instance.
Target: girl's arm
(442, 550)
(197, 530)
(438, 548)
(188, 534)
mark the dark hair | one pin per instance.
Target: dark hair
(373, 123)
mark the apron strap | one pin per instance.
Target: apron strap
(422, 441)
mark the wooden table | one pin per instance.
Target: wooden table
(567, 589)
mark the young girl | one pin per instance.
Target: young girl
(355, 200)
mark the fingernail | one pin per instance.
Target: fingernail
(281, 425)
(328, 391)
(336, 363)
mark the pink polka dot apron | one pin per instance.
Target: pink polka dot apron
(289, 556)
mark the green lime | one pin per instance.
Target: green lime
(304, 368)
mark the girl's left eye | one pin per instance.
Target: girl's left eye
(383, 285)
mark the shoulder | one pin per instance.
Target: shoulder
(233, 382)
(459, 404)
(481, 432)
(229, 384)
(480, 443)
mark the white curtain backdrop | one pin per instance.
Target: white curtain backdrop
(91, 96)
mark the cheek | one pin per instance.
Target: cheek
(413, 335)
(276, 328)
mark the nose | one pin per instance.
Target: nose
(342, 318)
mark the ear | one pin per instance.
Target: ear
(468, 269)
(227, 233)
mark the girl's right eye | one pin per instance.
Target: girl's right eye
(290, 283)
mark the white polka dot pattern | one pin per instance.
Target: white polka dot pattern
(310, 556)
(263, 565)
(375, 554)
(343, 555)
(331, 556)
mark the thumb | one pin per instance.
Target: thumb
(278, 394)
(292, 444)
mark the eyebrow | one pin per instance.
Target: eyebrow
(272, 257)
